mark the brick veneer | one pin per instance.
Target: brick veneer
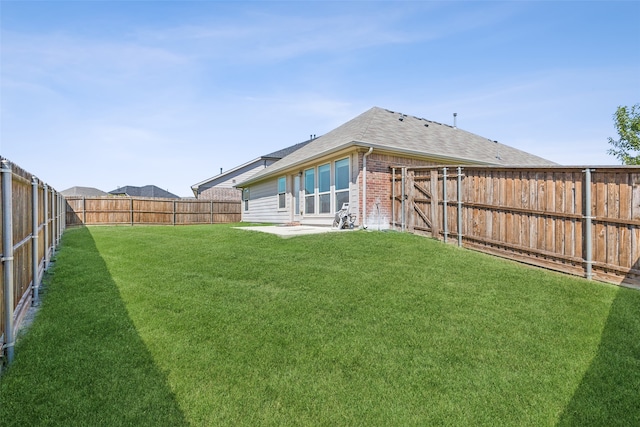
(219, 194)
(379, 180)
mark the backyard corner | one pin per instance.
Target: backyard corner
(209, 325)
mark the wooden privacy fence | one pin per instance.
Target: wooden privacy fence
(32, 224)
(583, 221)
(110, 210)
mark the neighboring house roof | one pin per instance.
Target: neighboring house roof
(276, 155)
(408, 135)
(286, 151)
(146, 191)
(84, 192)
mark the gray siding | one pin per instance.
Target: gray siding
(263, 204)
(230, 179)
(263, 199)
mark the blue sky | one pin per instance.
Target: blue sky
(106, 94)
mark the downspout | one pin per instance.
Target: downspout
(364, 187)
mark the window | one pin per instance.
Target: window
(341, 182)
(245, 197)
(282, 190)
(296, 194)
(324, 188)
(309, 191)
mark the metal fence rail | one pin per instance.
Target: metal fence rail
(583, 221)
(32, 224)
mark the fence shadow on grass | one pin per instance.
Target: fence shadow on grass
(608, 393)
(83, 362)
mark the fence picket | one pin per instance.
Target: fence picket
(29, 212)
(535, 215)
(137, 210)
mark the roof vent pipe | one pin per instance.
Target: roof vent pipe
(220, 171)
(455, 125)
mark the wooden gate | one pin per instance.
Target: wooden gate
(415, 200)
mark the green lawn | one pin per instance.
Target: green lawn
(210, 326)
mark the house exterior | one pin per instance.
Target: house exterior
(146, 191)
(222, 186)
(83, 192)
(351, 164)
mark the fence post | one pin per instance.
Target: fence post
(56, 217)
(46, 226)
(34, 241)
(434, 204)
(459, 206)
(404, 197)
(588, 260)
(211, 205)
(53, 221)
(393, 198)
(7, 257)
(61, 215)
(174, 212)
(445, 226)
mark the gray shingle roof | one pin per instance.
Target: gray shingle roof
(83, 191)
(276, 155)
(392, 131)
(286, 151)
(146, 191)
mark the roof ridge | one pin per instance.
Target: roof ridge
(373, 111)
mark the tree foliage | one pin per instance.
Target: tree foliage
(627, 148)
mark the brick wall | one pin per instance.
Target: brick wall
(379, 185)
(219, 194)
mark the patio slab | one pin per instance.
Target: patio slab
(290, 230)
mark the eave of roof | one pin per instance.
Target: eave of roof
(398, 133)
(364, 145)
(276, 155)
(195, 187)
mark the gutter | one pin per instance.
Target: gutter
(279, 170)
(274, 169)
(364, 187)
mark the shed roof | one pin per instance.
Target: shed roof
(397, 132)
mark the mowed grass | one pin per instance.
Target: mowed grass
(210, 326)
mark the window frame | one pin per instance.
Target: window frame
(309, 196)
(245, 198)
(340, 192)
(282, 193)
(326, 194)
